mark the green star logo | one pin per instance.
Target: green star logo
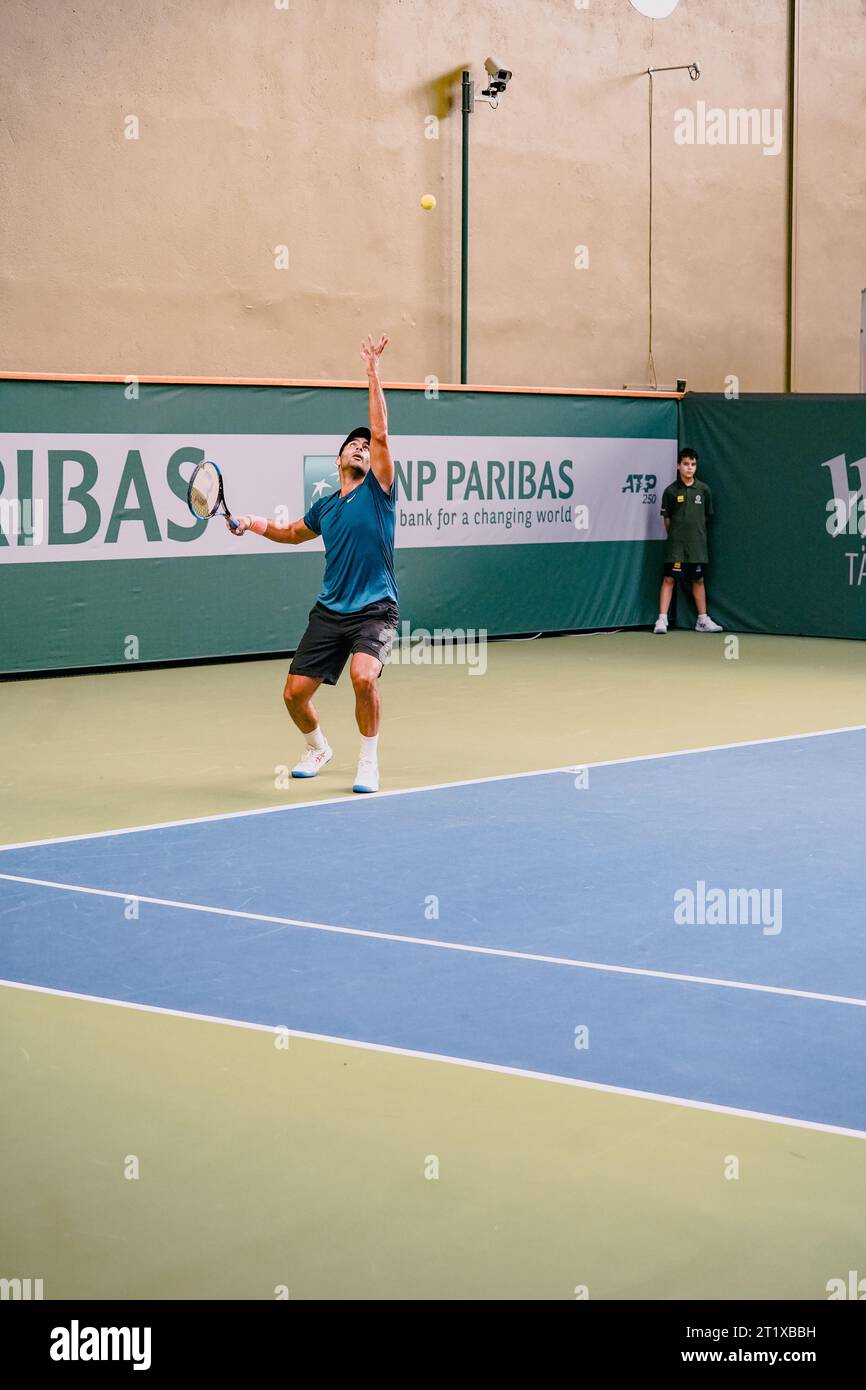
(321, 478)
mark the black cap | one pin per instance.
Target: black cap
(360, 433)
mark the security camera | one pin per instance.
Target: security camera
(495, 70)
(694, 71)
(499, 78)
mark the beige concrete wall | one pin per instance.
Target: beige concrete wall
(306, 127)
(831, 216)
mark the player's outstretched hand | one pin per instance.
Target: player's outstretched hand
(371, 352)
(242, 524)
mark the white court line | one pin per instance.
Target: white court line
(469, 1062)
(438, 944)
(348, 799)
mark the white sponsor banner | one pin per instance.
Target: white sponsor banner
(122, 496)
(507, 491)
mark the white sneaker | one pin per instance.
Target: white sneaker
(313, 761)
(367, 776)
(661, 623)
(706, 624)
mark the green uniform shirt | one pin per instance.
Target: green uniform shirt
(688, 509)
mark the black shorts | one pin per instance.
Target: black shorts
(331, 638)
(683, 569)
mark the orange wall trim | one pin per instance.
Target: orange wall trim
(276, 381)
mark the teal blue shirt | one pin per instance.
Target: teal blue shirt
(358, 531)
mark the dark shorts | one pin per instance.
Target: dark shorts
(331, 638)
(682, 569)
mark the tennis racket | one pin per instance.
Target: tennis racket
(204, 496)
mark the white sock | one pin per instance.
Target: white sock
(663, 617)
(368, 746)
(315, 739)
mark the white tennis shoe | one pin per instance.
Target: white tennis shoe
(661, 623)
(313, 761)
(367, 776)
(706, 624)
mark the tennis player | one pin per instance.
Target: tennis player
(355, 615)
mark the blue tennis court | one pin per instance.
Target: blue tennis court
(558, 923)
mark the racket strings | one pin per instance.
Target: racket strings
(204, 490)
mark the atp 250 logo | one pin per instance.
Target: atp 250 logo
(643, 483)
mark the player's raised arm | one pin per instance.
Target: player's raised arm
(381, 462)
(295, 533)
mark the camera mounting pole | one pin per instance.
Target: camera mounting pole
(694, 72)
(499, 79)
(468, 108)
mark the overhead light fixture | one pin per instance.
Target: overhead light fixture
(655, 9)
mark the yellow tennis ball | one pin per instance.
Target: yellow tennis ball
(428, 202)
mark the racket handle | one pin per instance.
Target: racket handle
(232, 523)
